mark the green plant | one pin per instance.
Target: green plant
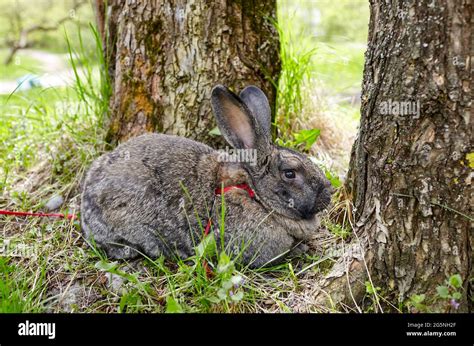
(373, 291)
(448, 295)
(94, 95)
(48, 136)
(333, 178)
(338, 230)
(130, 300)
(451, 292)
(222, 287)
(296, 69)
(302, 140)
(15, 292)
(10, 297)
(230, 282)
(172, 306)
(416, 303)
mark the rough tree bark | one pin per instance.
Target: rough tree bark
(409, 176)
(165, 57)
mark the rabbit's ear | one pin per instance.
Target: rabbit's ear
(257, 103)
(236, 123)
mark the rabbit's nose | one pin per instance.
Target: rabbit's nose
(323, 197)
(308, 211)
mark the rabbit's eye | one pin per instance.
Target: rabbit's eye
(290, 174)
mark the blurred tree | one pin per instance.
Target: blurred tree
(411, 168)
(166, 56)
(326, 20)
(25, 26)
(343, 20)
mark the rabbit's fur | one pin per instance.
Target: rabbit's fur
(147, 194)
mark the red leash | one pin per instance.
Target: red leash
(24, 213)
(217, 191)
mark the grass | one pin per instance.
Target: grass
(296, 68)
(48, 138)
(19, 290)
(73, 276)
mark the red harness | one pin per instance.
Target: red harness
(243, 186)
(220, 190)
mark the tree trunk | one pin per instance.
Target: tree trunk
(165, 57)
(410, 177)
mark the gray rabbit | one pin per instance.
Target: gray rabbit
(155, 193)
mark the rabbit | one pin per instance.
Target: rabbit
(154, 194)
